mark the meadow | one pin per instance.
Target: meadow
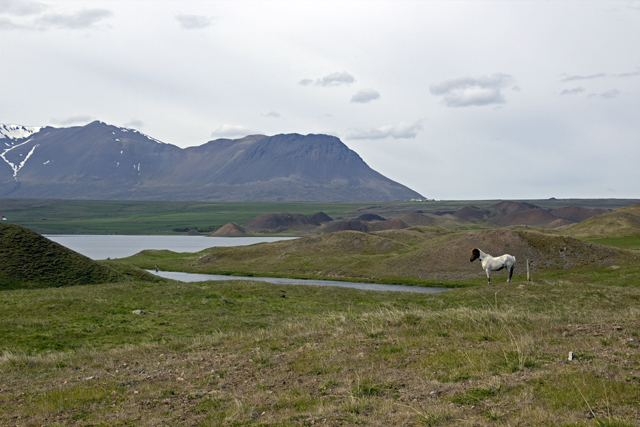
(251, 354)
(561, 350)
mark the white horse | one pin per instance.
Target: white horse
(490, 263)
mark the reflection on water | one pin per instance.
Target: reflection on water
(192, 277)
(99, 246)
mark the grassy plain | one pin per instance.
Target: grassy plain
(254, 354)
(116, 217)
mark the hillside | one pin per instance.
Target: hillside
(31, 260)
(103, 162)
(623, 222)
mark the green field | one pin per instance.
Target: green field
(133, 217)
(254, 354)
(107, 217)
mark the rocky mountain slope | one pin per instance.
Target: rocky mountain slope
(104, 162)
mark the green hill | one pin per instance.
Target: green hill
(29, 260)
(623, 222)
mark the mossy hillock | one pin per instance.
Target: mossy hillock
(623, 222)
(29, 260)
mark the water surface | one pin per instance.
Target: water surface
(193, 277)
(101, 246)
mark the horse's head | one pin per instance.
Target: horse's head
(475, 254)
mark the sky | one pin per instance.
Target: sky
(458, 100)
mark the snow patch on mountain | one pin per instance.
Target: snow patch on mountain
(17, 166)
(14, 132)
(140, 133)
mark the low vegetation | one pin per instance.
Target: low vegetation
(135, 349)
(246, 353)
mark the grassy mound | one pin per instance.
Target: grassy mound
(450, 259)
(31, 260)
(623, 222)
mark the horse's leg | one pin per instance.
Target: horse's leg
(510, 273)
(489, 275)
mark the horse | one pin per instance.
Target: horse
(490, 263)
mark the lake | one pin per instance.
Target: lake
(197, 277)
(99, 246)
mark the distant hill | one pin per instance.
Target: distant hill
(230, 230)
(104, 162)
(31, 260)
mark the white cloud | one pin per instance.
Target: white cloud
(21, 8)
(76, 21)
(573, 91)
(231, 131)
(469, 91)
(589, 77)
(402, 130)
(30, 18)
(194, 22)
(365, 95)
(334, 79)
(74, 120)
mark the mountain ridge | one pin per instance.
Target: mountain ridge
(104, 162)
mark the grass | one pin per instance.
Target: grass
(237, 353)
(135, 217)
(628, 242)
(152, 217)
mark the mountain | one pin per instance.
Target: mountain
(104, 162)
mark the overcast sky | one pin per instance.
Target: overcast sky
(455, 99)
